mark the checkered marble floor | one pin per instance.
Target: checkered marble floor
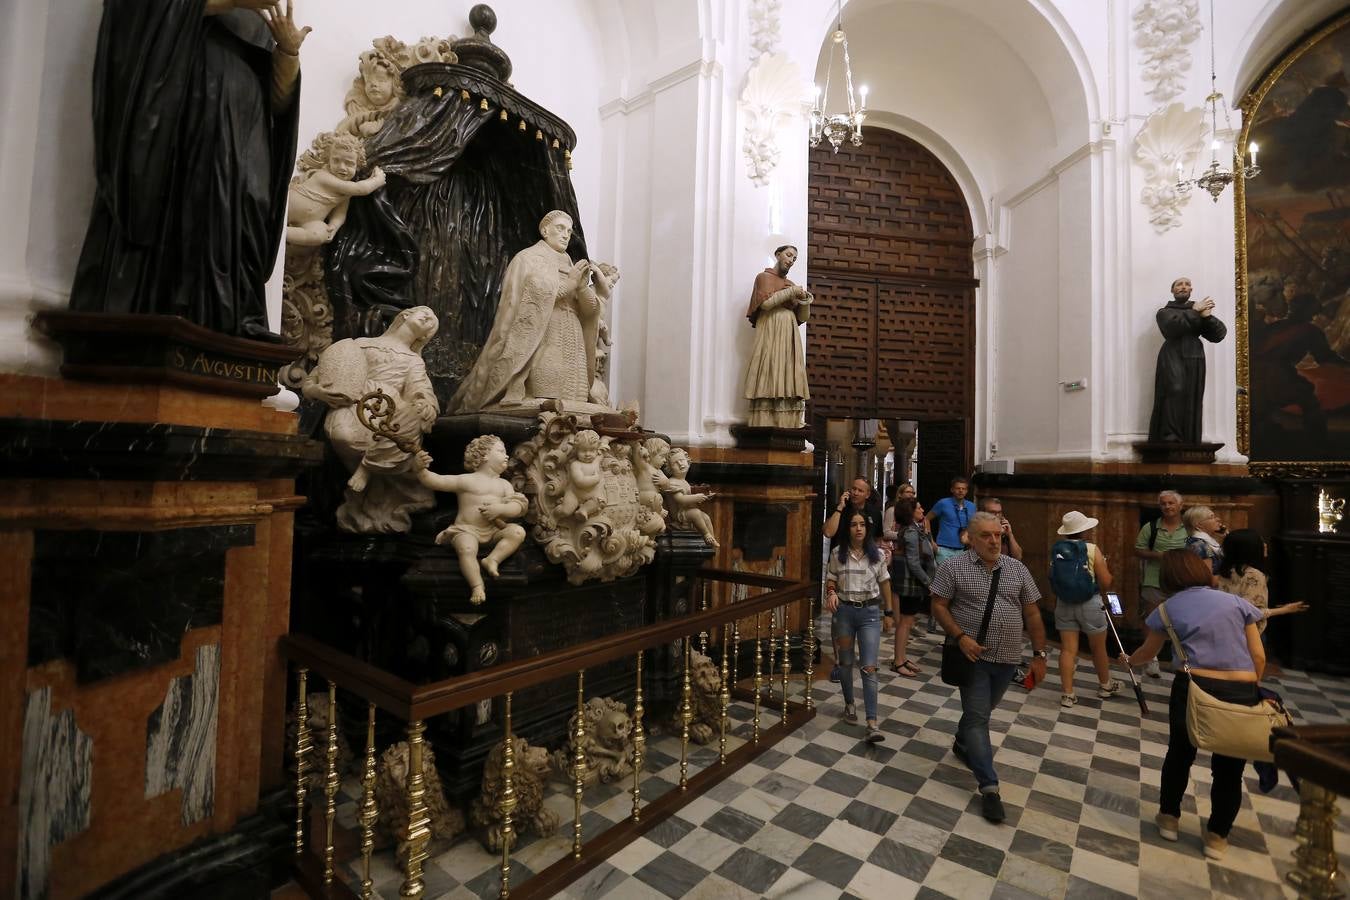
(823, 814)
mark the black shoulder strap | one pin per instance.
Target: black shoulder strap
(1152, 533)
(989, 606)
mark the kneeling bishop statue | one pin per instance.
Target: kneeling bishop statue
(543, 339)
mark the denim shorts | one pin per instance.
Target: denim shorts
(1088, 617)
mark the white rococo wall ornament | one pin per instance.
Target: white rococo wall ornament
(1166, 144)
(1163, 29)
(764, 15)
(775, 96)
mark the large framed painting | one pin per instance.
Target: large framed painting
(1293, 261)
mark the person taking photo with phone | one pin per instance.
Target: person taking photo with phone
(1010, 546)
(1080, 579)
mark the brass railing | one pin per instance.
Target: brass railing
(720, 614)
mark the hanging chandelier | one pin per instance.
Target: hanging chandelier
(1215, 178)
(835, 128)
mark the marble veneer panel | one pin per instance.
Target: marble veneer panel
(54, 789)
(180, 738)
(116, 601)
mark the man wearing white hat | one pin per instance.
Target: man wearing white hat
(1079, 577)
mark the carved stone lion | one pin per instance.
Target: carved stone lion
(391, 795)
(590, 527)
(316, 722)
(607, 746)
(528, 780)
(706, 680)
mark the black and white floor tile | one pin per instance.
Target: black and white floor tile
(824, 814)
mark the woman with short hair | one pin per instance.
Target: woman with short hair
(1218, 632)
(1205, 529)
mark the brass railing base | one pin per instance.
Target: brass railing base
(308, 872)
(1318, 874)
(568, 869)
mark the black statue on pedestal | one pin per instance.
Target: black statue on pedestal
(195, 118)
(1179, 383)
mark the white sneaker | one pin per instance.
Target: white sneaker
(1109, 689)
(1152, 670)
(1067, 700)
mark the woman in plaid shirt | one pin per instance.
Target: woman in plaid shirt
(857, 583)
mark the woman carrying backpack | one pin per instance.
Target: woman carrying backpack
(1079, 577)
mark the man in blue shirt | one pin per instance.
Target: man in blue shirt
(951, 516)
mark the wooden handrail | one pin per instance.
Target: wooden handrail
(413, 702)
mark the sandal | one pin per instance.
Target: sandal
(906, 668)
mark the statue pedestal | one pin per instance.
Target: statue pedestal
(1169, 452)
(163, 350)
(756, 437)
(147, 565)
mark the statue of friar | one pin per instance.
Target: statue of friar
(195, 118)
(543, 339)
(775, 380)
(1179, 383)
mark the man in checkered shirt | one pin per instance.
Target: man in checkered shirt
(960, 592)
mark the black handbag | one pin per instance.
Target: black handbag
(956, 668)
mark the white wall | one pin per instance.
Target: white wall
(1033, 105)
(46, 144)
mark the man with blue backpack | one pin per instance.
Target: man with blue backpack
(1079, 578)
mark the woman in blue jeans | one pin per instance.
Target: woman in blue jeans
(857, 583)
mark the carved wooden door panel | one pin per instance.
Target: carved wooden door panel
(841, 350)
(944, 452)
(892, 331)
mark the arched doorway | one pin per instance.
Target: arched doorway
(892, 331)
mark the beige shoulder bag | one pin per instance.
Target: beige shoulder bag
(1229, 729)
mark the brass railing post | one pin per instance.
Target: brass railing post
(506, 805)
(686, 715)
(723, 702)
(330, 783)
(302, 748)
(639, 742)
(759, 685)
(578, 763)
(419, 820)
(703, 607)
(810, 654)
(735, 652)
(370, 812)
(787, 647)
(1316, 874)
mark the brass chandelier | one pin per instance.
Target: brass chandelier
(1215, 178)
(838, 126)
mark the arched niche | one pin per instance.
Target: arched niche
(1029, 102)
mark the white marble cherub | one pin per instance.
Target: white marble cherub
(683, 502)
(376, 92)
(584, 497)
(320, 195)
(486, 503)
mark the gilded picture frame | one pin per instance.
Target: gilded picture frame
(1275, 439)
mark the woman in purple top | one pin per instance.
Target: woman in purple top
(1223, 649)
